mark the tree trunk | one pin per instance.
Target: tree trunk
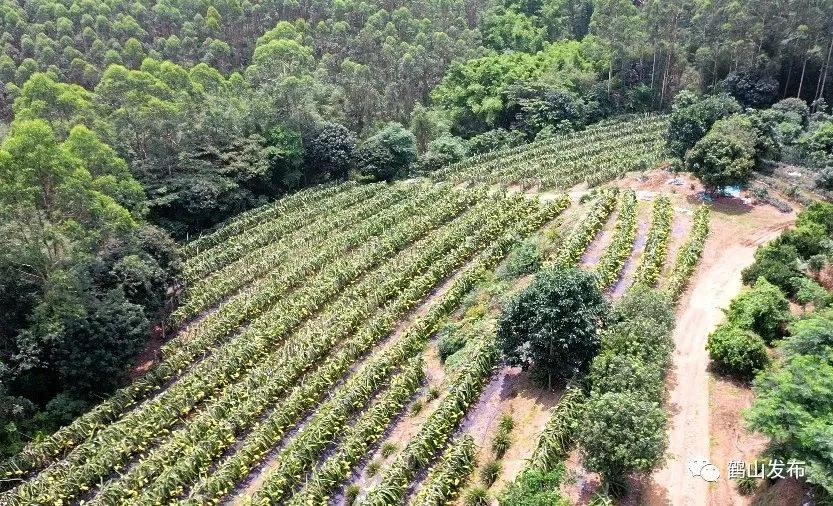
(789, 76)
(653, 67)
(610, 73)
(826, 70)
(803, 70)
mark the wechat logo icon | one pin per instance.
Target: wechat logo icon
(702, 467)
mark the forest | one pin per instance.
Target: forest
(129, 128)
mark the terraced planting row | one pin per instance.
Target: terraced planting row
(205, 423)
(454, 465)
(300, 349)
(598, 154)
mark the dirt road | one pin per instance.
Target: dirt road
(736, 234)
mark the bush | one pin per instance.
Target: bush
(737, 352)
(490, 473)
(640, 338)
(476, 496)
(808, 239)
(693, 116)
(450, 342)
(535, 488)
(641, 302)
(726, 155)
(613, 372)
(351, 493)
(525, 259)
(622, 433)
(553, 324)
(824, 179)
(817, 144)
(793, 402)
(764, 310)
(752, 88)
(501, 443)
(778, 263)
(809, 292)
(372, 468)
(388, 449)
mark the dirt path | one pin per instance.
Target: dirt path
(737, 231)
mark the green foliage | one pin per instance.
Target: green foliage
(818, 143)
(819, 213)
(535, 488)
(613, 372)
(692, 118)
(441, 152)
(450, 342)
(388, 449)
(553, 325)
(506, 29)
(726, 155)
(492, 140)
(764, 310)
(474, 92)
(490, 472)
(808, 292)
(372, 468)
(387, 154)
(777, 263)
(752, 88)
(793, 400)
(736, 351)
(476, 496)
(623, 423)
(351, 493)
(524, 259)
(622, 432)
(329, 151)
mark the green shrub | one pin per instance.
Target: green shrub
(764, 310)
(476, 496)
(552, 325)
(372, 468)
(535, 488)
(524, 259)
(778, 263)
(490, 473)
(450, 342)
(388, 449)
(808, 292)
(736, 351)
(501, 443)
(622, 433)
(351, 493)
(747, 485)
(433, 392)
(611, 372)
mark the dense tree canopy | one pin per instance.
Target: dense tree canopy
(553, 326)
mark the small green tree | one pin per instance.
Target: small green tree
(553, 325)
(794, 401)
(778, 263)
(737, 352)
(726, 155)
(622, 432)
(387, 154)
(764, 310)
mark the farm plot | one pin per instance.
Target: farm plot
(276, 356)
(426, 458)
(307, 340)
(594, 156)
